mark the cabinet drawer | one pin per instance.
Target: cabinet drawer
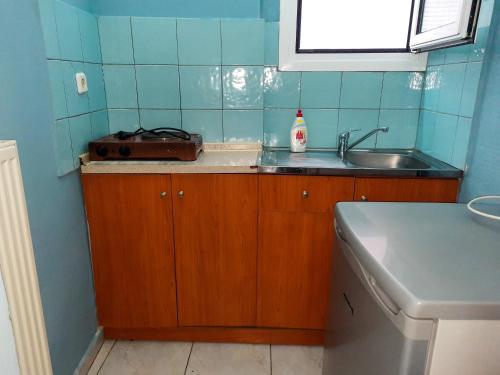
(303, 193)
(406, 190)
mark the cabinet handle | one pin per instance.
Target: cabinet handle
(364, 198)
(163, 194)
(181, 194)
(305, 194)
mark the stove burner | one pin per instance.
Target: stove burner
(157, 133)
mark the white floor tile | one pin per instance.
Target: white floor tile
(106, 347)
(229, 359)
(296, 360)
(147, 358)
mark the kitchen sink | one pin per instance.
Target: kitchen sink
(357, 162)
(384, 160)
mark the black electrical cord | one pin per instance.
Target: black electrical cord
(158, 132)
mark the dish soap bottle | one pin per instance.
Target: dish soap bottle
(298, 134)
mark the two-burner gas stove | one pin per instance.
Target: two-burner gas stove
(153, 144)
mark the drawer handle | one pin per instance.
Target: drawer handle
(163, 194)
(364, 198)
(305, 194)
(181, 194)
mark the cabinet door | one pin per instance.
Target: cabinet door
(406, 190)
(130, 223)
(215, 248)
(295, 245)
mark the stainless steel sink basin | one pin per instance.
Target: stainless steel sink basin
(358, 162)
(380, 160)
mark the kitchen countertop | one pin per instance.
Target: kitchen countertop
(215, 158)
(250, 158)
(433, 260)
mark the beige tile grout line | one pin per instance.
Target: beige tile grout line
(189, 357)
(271, 359)
(101, 357)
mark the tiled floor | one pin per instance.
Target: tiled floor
(179, 358)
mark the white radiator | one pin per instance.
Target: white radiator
(17, 264)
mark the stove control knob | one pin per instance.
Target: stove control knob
(102, 151)
(124, 150)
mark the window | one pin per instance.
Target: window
(368, 35)
(443, 23)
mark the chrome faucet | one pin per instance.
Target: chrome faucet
(343, 144)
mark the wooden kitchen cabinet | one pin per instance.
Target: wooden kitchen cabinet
(215, 218)
(131, 235)
(405, 189)
(295, 245)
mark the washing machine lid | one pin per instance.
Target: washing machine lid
(435, 261)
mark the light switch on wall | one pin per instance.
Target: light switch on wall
(81, 83)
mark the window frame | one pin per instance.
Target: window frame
(290, 60)
(460, 32)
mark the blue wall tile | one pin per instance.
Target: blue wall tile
(271, 43)
(62, 147)
(56, 76)
(281, 89)
(91, 48)
(459, 54)
(123, 119)
(445, 129)
(270, 10)
(200, 87)
(403, 126)
(432, 87)
(469, 92)
(435, 57)
(207, 123)
(322, 127)
(80, 128)
(402, 90)
(277, 125)
(76, 103)
(158, 86)
(425, 133)
(49, 28)
(199, 41)
(116, 40)
(461, 143)
(361, 90)
(156, 118)
(68, 31)
(242, 42)
(97, 92)
(100, 124)
(243, 126)
(363, 119)
(155, 40)
(320, 89)
(452, 80)
(243, 87)
(121, 91)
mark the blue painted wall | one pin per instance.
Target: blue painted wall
(54, 204)
(178, 8)
(483, 174)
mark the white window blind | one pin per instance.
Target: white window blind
(439, 13)
(443, 23)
